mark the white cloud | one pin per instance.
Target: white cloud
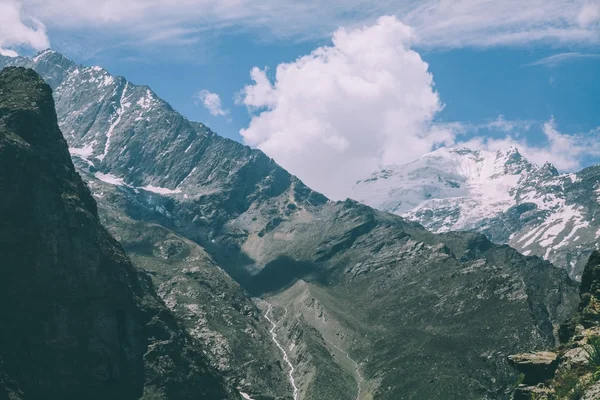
(566, 151)
(212, 102)
(437, 23)
(558, 59)
(8, 53)
(589, 14)
(458, 23)
(19, 30)
(342, 110)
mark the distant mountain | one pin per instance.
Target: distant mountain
(78, 320)
(363, 303)
(534, 209)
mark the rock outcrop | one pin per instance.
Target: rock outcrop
(576, 372)
(78, 321)
(536, 367)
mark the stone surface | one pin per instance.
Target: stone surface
(577, 373)
(592, 393)
(527, 392)
(537, 367)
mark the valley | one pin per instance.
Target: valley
(292, 296)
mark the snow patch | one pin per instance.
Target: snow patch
(108, 80)
(42, 54)
(122, 106)
(83, 152)
(146, 101)
(160, 190)
(109, 178)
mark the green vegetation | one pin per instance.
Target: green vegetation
(568, 386)
(152, 394)
(571, 384)
(593, 355)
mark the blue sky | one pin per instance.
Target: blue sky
(433, 73)
(475, 85)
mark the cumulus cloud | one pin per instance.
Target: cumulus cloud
(347, 108)
(437, 23)
(19, 30)
(212, 102)
(589, 14)
(337, 114)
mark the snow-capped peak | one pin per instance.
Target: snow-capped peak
(444, 174)
(534, 209)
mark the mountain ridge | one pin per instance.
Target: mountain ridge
(534, 209)
(335, 272)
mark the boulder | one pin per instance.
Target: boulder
(537, 367)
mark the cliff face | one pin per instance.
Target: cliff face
(572, 371)
(78, 320)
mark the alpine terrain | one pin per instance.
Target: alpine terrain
(290, 295)
(501, 194)
(79, 321)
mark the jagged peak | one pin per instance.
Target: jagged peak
(512, 149)
(53, 55)
(548, 169)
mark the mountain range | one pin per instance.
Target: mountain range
(501, 194)
(286, 293)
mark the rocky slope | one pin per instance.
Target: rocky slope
(78, 320)
(572, 371)
(534, 209)
(211, 305)
(362, 304)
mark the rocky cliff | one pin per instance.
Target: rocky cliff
(78, 320)
(572, 371)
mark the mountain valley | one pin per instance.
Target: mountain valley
(264, 274)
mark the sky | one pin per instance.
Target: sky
(334, 90)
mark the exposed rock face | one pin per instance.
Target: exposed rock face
(589, 308)
(578, 363)
(209, 303)
(78, 320)
(365, 303)
(537, 367)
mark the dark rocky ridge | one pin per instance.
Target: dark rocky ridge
(78, 320)
(575, 371)
(411, 308)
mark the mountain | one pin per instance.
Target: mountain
(357, 303)
(534, 209)
(214, 177)
(78, 320)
